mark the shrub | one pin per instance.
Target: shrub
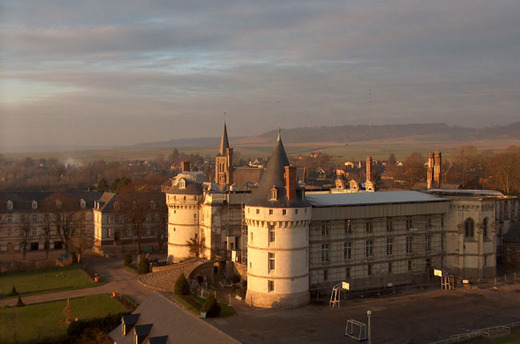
(19, 303)
(144, 266)
(13, 292)
(128, 259)
(182, 287)
(211, 307)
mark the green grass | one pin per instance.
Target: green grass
(46, 281)
(513, 338)
(225, 310)
(46, 320)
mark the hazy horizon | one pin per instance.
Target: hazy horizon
(124, 72)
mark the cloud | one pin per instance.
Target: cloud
(170, 69)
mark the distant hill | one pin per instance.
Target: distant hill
(353, 133)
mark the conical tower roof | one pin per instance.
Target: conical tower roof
(274, 176)
(224, 143)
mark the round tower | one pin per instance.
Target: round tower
(278, 218)
(183, 200)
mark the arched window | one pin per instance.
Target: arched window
(485, 226)
(469, 228)
(82, 203)
(34, 205)
(273, 196)
(9, 205)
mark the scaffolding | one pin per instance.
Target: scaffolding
(375, 253)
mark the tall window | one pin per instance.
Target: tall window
(369, 248)
(485, 226)
(389, 224)
(324, 252)
(428, 244)
(271, 233)
(271, 261)
(369, 270)
(428, 221)
(409, 222)
(409, 243)
(409, 265)
(325, 227)
(347, 273)
(389, 246)
(348, 226)
(347, 250)
(270, 286)
(469, 228)
(325, 275)
(368, 226)
(389, 267)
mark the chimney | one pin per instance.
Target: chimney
(369, 168)
(185, 166)
(429, 174)
(437, 170)
(290, 182)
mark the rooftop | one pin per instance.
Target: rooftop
(369, 198)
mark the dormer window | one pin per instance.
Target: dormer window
(58, 204)
(273, 194)
(34, 205)
(82, 204)
(182, 184)
(9, 205)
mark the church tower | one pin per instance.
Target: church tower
(223, 162)
(278, 218)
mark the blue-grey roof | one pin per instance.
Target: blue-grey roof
(369, 198)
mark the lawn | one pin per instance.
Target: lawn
(46, 281)
(46, 320)
(189, 302)
(513, 338)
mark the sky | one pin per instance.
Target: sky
(110, 73)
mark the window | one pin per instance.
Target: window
(325, 227)
(270, 286)
(390, 267)
(34, 218)
(369, 270)
(195, 216)
(409, 222)
(34, 205)
(284, 212)
(82, 204)
(270, 211)
(257, 211)
(442, 241)
(469, 228)
(428, 222)
(271, 233)
(368, 226)
(9, 219)
(347, 250)
(409, 242)
(389, 246)
(348, 226)
(347, 273)
(109, 232)
(22, 218)
(251, 236)
(34, 232)
(442, 221)
(325, 275)
(369, 248)
(324, 252)
(428, 244)
(485, 226)
(389, 224)
(9, 205)
(409, 265)
(271, 261)
(296, 211)
(273, 196)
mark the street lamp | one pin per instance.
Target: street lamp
(369, 314)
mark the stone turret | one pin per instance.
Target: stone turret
(278, 218)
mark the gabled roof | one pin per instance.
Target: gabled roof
(274, 177)
(224, 143)
(172, 322)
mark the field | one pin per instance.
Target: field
(46, 281)
(46, 320)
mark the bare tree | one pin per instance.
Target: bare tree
(63, 212)
(46, 234)
(79, 243)
(25, 230)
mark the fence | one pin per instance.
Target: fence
(485, 332)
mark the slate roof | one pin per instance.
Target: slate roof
(274, 177)
(369, 198)
(170, 320)
(224, 143)
(513, 234)
(22, 201)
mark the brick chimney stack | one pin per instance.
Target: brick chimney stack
(369, 169)
(290, 182)
(185, 166)
(437, 170)
(429, 174)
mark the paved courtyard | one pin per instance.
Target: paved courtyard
(417, 318)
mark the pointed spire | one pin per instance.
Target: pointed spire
(224, 143)
(279, 135)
